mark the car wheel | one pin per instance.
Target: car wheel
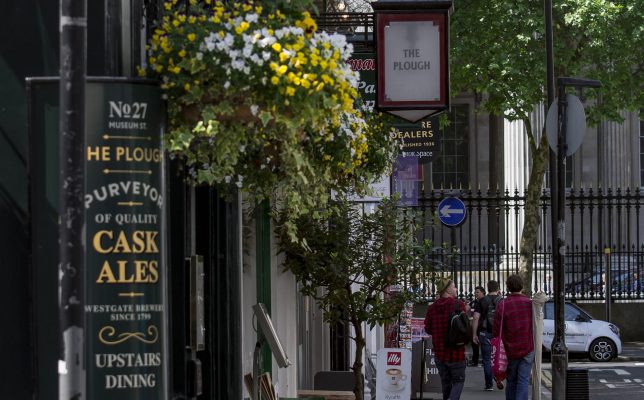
(602, 350)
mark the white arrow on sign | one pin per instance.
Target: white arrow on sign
(617, 371)
(446, 211)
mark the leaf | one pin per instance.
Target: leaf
(265, 117)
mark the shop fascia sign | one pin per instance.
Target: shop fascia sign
(412, 42)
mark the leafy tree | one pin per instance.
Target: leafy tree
(498, 49)
(352, 260)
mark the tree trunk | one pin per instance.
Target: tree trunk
(532, 214)
(358, 376)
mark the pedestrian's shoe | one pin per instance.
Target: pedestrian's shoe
(489, 389)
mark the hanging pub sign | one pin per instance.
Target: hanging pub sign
(412, 41)
(419, 140)
(126, 306)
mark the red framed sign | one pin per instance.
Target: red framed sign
(412, 62)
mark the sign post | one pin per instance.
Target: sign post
(559, 349)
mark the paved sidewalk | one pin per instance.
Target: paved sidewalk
(475, 382)
(632, 351)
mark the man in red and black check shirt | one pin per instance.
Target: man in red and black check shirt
(449, 361)
(516, 313)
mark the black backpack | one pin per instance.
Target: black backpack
(488, 321)
(459, 328)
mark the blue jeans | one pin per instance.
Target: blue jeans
(452, 378)
(519, 377)
(486, 357)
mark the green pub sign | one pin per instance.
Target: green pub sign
(125, 274)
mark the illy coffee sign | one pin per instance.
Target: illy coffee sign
(393, 379)
(393, 358)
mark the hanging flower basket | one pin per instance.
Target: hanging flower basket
(257, 95)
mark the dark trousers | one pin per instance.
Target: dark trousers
(475, 354)
(452, 378)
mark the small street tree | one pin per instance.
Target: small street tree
(352, 260)
(498, 50)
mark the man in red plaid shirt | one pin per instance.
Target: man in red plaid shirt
(449, 361)
(516, 313)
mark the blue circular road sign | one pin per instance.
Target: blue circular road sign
(451, 211)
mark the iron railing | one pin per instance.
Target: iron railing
(603, 234)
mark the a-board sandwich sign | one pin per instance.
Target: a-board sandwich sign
(393, 376)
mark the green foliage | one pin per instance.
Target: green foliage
(498, 48)
(257, 96)
(356, 258)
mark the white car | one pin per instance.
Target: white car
(599, 339)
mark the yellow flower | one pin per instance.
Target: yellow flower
(192, 19)
(319, 86)
(247, 8)
(168, 6)
(187, 86)
(192, 37)
(140, 71)
(159, 68)
(283, 56)
(290, 91)
(275, 80)
(242, 27)
(176, 23)
(282, 70)
(182, 53)
(277, 47)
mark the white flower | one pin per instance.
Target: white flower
(199, 55)
(253, 109)
(252, 17)
(267, 41)
(226, 85)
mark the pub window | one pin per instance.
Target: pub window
(450, 166)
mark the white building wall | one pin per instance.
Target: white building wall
(283, 312)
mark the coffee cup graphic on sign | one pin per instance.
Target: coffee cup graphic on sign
(395, 378)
